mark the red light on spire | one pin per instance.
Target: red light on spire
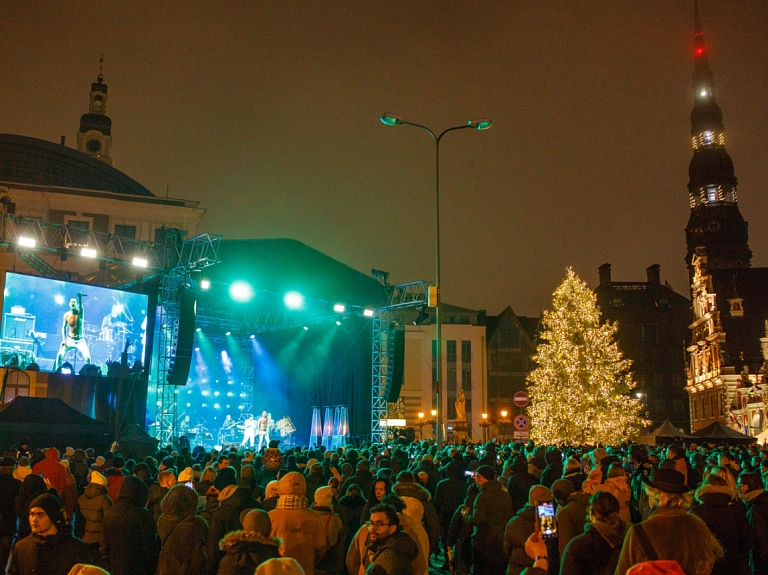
(699, 50)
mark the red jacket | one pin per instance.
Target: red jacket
(52, 470)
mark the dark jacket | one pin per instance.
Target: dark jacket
(129, 545)
(757, 515)
(54, 555)
(244, 551)
(183, 534)
(156, 495)
(572, 518)
(32, 486)
(552, 473)
(93, 504)
(726, 518)
(349, 509)
(518, 529)
(225, 519)
(363, 478)
(518, 486)
(9, 490)
(449, 495)
(490, 513)
(594, 552)
(393, 556)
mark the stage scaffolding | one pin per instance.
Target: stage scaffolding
(412, 294)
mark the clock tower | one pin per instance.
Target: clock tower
(716, 224)
(95, 135)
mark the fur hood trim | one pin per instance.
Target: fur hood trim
(708, 489)
(235, 537)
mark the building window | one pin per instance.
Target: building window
(708, 137)
(466, 375)
(711, 194)
(78, 229)
(125, 231)
(451, 377)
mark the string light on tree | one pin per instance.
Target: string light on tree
(579, 392)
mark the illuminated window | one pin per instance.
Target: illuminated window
(712, 195)
(708, 137)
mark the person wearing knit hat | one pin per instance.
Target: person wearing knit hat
(281, 566)
(331, 525)
(521, 526)
(183, 533)
(186, 476)
(51, 548)
(226, 518)
(298, 527)
(271, 495)
(225, 477)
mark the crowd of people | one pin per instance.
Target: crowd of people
(377, 509)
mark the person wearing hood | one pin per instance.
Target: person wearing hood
(718, 506)
(22, 469)
(616, 484)
(349, 508)
(115, 476)
(129, 543)
(596, 551)
(32, 486)
(51, 469)
(406, 486)
(571, 511)
(244, 550)
(554, 469)
(519, 483)
(298, 527)
(755, 498)
(490, 512)
(93, 504)
(574, 472)
(333, 531)
(271, 496)
(449, 495)
(50, 548)
(233, 500)
(183, 534)
(520, 527)
(362, 477)
(411, 521)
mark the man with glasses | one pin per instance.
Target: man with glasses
(389, 550)
(751, 492)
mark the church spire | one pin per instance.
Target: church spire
(716, 223)
(95, 135)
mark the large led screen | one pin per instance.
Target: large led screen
(52, 322)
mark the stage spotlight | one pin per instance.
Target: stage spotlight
(189, 405)
(230, 394)
(140, 262)
(293, 300)
(197, 329)
(216, 393)
(205, 284)
(206, 392)
(88, 253)
(27, 242)
(338, 322)
(216, 405)
(306, 328)
(241, 291)
(197, 349)
(253, 336)
(339, 308)
(422, 317)
(228, 333)
(368, 312)
(59, 299)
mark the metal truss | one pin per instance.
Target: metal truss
(179, 258)
(405, 295)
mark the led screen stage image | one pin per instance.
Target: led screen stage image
(51, 322)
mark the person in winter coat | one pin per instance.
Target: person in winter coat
(51, 469)
(157, 491)
(616, 484)
(379, 489)
(9, 490)
(333, 529)
(389, 550)
(638, 503)
(406, 486)
(719, 507)
(755, 499)
(115, 476)
(129, 543)
(245, 550)
(670, 532)
(69, 495)
(32, 486)
(554, 469)
(449, 495)
(298, 527)
(233, 500)
(412, 515)
(519, 483)
(349, 508)
(271, 496)
(519, 528)
(183, 534)
(571, 514)
(596, 551)
(50, 549)
(490, 512)
(93, 504)
(574, 472)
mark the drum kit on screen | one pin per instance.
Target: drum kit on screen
(108, 343)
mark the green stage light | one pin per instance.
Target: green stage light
(339, 308)
(229, 333)
(205, 284)
(293, 300)
(197, 329)
(241, 291)
(368, 312)
(306, 328)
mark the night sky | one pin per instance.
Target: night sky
(268, 114)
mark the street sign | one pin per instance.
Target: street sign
(521, 435)
(521, 399)
(521, 423)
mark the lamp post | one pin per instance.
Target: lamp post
(484, 423)
(480, 124)
(420, 423)
(503, 423)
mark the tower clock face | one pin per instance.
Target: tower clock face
(93, 146)
(713, 225)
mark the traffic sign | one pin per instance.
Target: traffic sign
(521, 423)
(520, 435)
(521, 399)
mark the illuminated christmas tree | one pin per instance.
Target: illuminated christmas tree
(579, 392)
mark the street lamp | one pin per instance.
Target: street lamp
(420, 423)
(484, 423)
(479, 124)
(503, 422)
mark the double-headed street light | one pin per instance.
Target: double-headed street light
(480, 124)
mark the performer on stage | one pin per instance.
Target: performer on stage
(250, 431)
(262, 431)
(72, 331)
